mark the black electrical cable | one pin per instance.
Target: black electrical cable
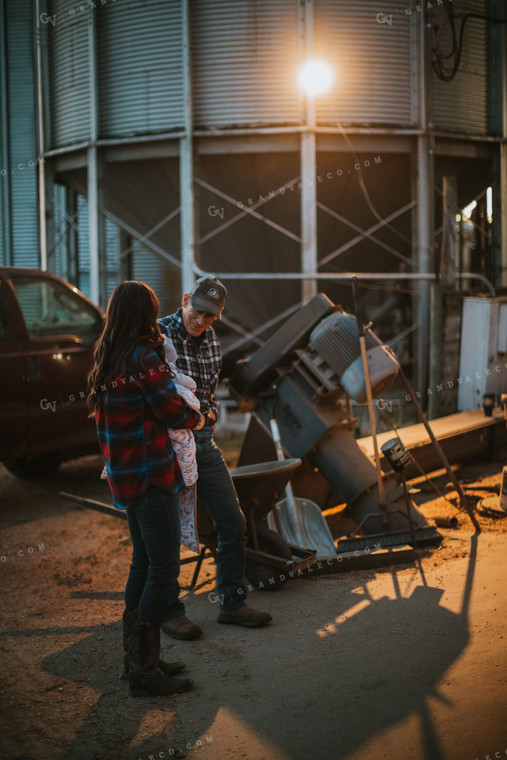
(438, 57)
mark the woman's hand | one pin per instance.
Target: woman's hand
(201, 423)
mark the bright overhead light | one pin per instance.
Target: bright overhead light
(489, 204)
(315, 77)
(467, 211)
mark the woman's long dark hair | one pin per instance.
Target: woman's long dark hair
(131, 320)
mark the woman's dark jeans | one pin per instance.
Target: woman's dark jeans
(152, 586)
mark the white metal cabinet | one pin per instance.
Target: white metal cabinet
(483, 352)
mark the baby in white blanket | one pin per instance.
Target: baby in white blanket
(183, 443)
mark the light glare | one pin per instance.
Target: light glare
(315, 77)
(467, 211)
(489, 204)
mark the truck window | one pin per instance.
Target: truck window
(51, 309)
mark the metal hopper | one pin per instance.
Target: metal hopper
(299, 377)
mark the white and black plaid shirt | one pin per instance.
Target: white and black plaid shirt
(201, 358)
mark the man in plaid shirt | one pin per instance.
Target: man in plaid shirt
(200, 356)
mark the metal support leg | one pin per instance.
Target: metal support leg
(198, 566)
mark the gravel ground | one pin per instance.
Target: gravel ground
(406, 662)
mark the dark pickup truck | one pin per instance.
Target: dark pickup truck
(48, 331)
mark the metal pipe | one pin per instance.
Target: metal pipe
(187, 204)
(93, 223)
(369, 397)
(98, 506)
(43, 243)
(93, 169)
(335, 276)
(446, 521)
(5, 195)
(308, 164)
(423, 253)
(482, 278)
(308, 210)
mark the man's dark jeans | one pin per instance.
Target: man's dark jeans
(152, 585)
(216, 490)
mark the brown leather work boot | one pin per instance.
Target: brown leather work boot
(246, 616)
(181, 628)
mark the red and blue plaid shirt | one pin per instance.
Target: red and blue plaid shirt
(132, 423)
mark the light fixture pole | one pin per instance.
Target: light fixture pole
(308, 198)
(315, 78)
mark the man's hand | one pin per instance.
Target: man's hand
(211, 418)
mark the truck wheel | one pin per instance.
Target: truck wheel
(262, 576)
(36, 466)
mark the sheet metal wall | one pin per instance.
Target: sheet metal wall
(18, 179)
(372, 60)
(244, 56)
(140, 67)
(245, 59)
(69, 73)
(461, 105)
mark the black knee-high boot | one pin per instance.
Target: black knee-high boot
(145, 677)
(129, 621)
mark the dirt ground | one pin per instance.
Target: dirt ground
(406, 662)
